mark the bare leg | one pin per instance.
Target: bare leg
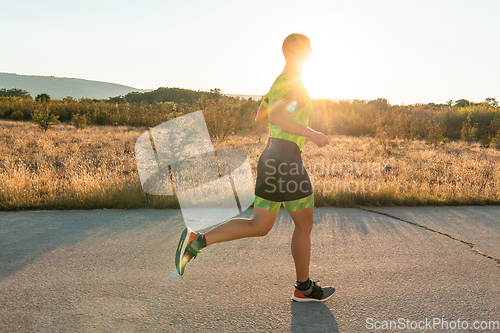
(259, 225)
(301, 241)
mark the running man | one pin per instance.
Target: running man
(281, 176)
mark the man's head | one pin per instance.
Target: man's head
(296, 48)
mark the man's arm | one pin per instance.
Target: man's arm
(279, 117)
(261, 116)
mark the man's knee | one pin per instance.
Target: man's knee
(308, 225)
(305, 224)
(262, 228)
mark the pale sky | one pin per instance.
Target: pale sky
(406, 51)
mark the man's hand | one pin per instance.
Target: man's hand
(319, 138)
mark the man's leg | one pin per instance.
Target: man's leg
(259, 225)
(305, 290)
(301, 241)
(191, 243)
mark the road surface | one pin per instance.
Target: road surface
(113, 270)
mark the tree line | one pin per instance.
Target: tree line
(224, 115)
(434, 123)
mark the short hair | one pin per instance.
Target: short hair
(295, 45)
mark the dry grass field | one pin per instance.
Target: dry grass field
(68, 168)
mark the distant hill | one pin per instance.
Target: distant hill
(254, 97)
(60, 87)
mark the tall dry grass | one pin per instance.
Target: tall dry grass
(95, 167)
(367, 171)
(67, 168)
(404, 173)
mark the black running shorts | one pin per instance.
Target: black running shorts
(281, 175)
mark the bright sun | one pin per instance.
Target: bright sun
(335, 68)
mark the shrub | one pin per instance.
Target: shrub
(435, 135)
(79, 120)
(220, 118)
(495, 142)
(42, 98)
(17, 115)
(469, 131)
(44, 118)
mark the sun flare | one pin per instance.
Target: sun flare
(335, 69)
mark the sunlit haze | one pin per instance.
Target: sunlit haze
(406, 51)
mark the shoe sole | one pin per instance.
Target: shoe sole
(308, 299)
(181, 248)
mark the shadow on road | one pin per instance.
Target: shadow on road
(312, 317)
(25, 236)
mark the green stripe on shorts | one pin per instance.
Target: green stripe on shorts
(272, 206)
(295, 205)
(290, 206)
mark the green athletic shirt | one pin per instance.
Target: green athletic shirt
(289, 88)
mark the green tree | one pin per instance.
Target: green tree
(14, 92)
(469, 131)
(462, 103)
(17, 115)
(79, 120)
(42, 98)
(492, 101)
(215, 93)
(44, 118)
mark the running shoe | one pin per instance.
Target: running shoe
(315, 293)
(185, 250)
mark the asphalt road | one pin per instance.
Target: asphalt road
(113, 270)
